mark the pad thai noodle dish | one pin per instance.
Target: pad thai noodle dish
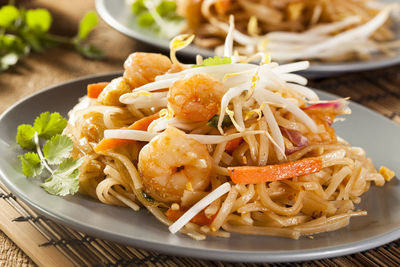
(318, 30)
(223, 146)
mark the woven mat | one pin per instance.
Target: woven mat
(49, 244)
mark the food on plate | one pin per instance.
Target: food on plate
(289, 30)
(223, 146)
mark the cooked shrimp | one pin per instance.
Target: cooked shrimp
(173, 162)
(196, 98)
(142, 68)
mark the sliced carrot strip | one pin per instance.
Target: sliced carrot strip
(233, 144)
(270, 173)
(141, 125)
(95, 89)
(200, 218)
(222, 6)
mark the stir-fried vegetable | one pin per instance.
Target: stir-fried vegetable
(111, 143)
(233, 144)
(200, 217)
(199, 206)
(226, 121)
(95, 89)
(270, 173)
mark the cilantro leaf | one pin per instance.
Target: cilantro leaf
(138, 7)
(213, 122)
(12, 48)
(38, 19)
(25, 133)
(67, 166)
(65, 179)
(145, 19)
(166, 9)
(214, 61)
(57, 148)
(87, 24)
(62, 185)
(31, 164)
(13, 43)
(8, 14)
(48, 125)
(23, 31)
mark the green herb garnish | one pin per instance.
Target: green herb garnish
(145, 19)
(214, 61)
(146, 199)
(213, 122)
(22, 31)
(167, 9)
(158, 16)
(47, 125)
(138, 7)
(63, 179)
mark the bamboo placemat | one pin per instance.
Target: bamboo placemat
(50, 244)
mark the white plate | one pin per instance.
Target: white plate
(378, 135)
(119, 16)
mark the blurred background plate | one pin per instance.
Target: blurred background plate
(364, 128)
(119, 16)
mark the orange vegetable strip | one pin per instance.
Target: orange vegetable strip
(231, 145)
(222, 6)
(270, 173)
(141, 125)
(200, 218)
(95, 89)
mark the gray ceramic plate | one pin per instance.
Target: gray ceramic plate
(118, 15)
(378, 135)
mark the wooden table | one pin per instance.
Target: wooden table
(379, 90)
(40, 70)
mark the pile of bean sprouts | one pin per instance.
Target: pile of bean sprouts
(318, 30)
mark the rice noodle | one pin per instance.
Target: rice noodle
(204, 139)
(185, 218)
(180, 168)
(295, 30)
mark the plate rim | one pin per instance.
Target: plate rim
(109, 19)
(215, 254)
(314, 71)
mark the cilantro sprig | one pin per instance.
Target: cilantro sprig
(226, 121)
(159, 16)
(63, 179)
(23, 31)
